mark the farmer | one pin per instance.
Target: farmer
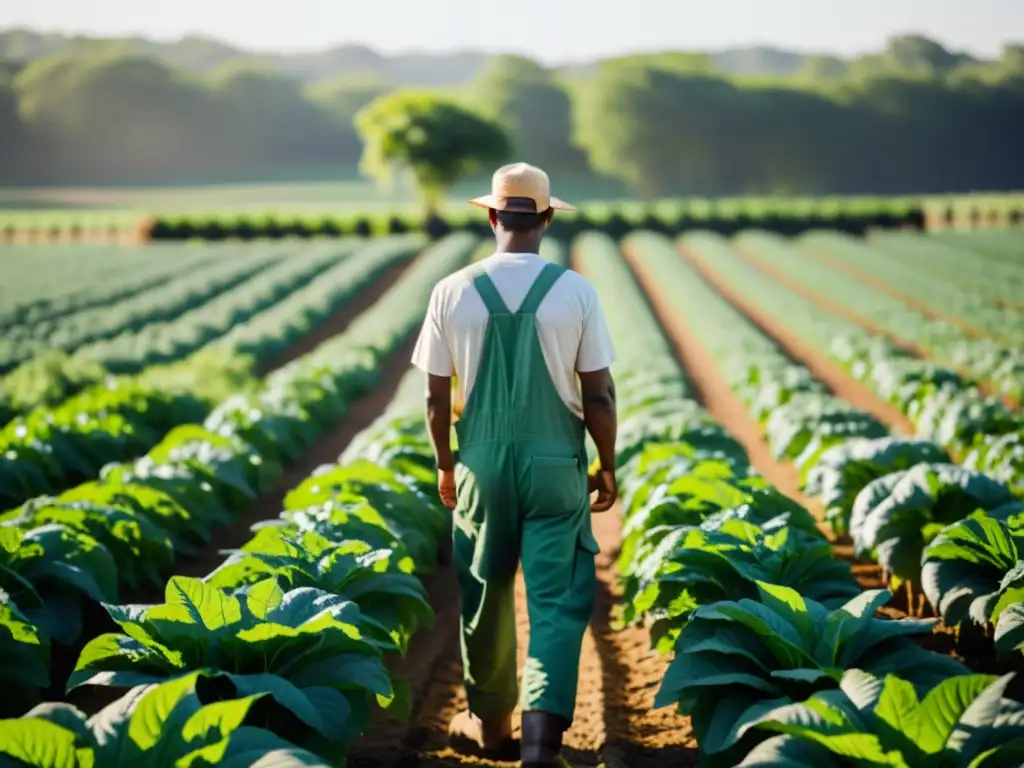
(517, 333)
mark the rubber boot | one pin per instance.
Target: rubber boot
(540, 745)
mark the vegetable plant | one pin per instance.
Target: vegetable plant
(51, 571)
(895, 516)
(377, 580)
(24, 659)
(963, 722)
(698, 566)
(844, 470)
(736, 660)
(169, 723)
(316, 654)
(968, 567)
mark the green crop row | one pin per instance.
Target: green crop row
(279, 651)
(614, 220)
(777, 655)
(297, 620)
(59, 444)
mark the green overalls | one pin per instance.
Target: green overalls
(522, 493)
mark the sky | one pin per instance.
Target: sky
(553, 31)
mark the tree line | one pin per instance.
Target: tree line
(913, 119)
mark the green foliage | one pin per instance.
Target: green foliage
(970, 571)
(964, 722)
(25, 651)
(175, 722)
(51, 571)
(725, 560)
(735, 661)
(379, 581)
(435, 139)
(842, 471)
(128, 111)
(528, 102)
(46, 379)
(316, 654)
(897, 515)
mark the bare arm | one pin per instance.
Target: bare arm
(599, 413)
(439, 420)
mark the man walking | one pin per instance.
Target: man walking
(529, 348)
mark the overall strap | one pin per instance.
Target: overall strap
(545, 280)
(492, 299)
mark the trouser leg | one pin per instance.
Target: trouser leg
(559, 571)
(486, 556)
(489, 647)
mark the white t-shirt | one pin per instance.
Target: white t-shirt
(570, 324)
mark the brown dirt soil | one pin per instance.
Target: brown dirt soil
(825, 303)
(340, 320)
(619, 676)
(360, 415)
(715, 394)
(883, 287)
(822, 301)
(841, 383)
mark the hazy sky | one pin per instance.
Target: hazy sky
(551, 30)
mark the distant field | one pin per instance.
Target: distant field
(306, 197)
(119, 208)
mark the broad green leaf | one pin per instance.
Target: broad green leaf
(38, 743)
(943, 707)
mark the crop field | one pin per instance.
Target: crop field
(220, 541)
(271, 212)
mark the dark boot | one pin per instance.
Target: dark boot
(540, 745)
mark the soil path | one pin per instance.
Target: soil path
(619, 676)
(360, 415)
(823, 368)
(713, 391)
(340, 320)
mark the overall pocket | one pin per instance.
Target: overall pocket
(557, 485)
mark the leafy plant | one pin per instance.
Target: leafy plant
(895, 516)
(50, 571)
(696, 492)
(697, 566)
(1009, 634)
(24, 658)
(844, 470)
(416, 520)
(963, 722)
(808, 419)
(314, 652)
(1000, 456)
(737, 660)
(964, 567)
(375, 579)
(140, 546)
(164, 724)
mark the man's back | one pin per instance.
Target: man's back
(570, 325)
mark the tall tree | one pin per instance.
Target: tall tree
(534, 109)
(111, 115)
(435, 139)
(280, 124)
